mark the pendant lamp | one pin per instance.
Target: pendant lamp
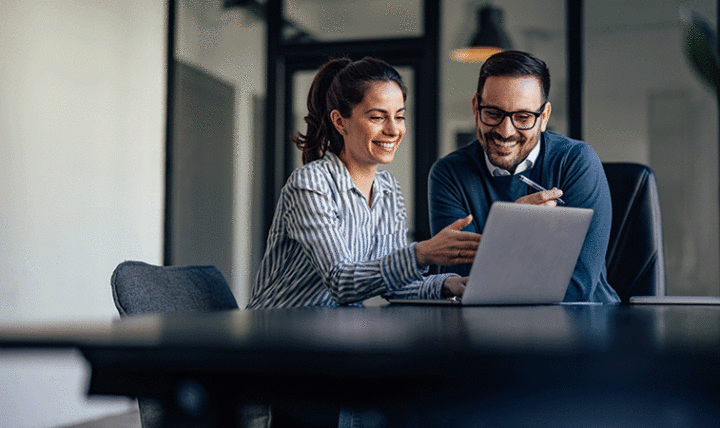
(489, 39)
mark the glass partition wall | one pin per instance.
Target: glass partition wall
(537, 27)
(352, 20)
(644, 103)
(403, 33)
(641, 101)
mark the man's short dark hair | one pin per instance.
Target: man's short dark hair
(515, 64)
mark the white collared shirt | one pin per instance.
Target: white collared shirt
(528, 163)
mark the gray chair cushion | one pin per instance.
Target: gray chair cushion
(143, 288)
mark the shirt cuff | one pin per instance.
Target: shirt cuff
(432, 287)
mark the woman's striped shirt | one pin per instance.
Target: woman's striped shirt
(328, 247)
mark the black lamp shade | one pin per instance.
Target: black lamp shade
(489, 39)
(490, 29)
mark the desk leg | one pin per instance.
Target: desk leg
(192, 405)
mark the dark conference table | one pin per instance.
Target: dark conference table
(556, 365)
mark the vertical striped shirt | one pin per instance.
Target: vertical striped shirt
(328, 247)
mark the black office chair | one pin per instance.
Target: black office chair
(635, 260)
(141, 288)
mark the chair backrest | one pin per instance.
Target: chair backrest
(139, 287)
(635, 260)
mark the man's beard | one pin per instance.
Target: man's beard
(504, 163)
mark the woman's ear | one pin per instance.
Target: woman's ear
(338, 121)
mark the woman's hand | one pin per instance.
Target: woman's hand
(454, 286)
(449, 247)
(547, 198)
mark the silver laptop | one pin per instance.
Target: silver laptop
(526, 256)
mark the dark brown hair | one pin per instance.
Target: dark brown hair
(515, 64)
(339, 85)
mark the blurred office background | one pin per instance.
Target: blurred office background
(83, 112)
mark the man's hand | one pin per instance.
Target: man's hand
(454, 286)
(449, 247)
(547, 198)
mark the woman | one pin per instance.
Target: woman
(339, 233)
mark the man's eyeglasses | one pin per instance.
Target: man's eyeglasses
(522, 120)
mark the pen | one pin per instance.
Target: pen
(537, 187)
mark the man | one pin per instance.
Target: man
(511, 112)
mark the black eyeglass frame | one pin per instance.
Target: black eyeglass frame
(510, 114)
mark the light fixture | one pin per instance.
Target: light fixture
(489, 39)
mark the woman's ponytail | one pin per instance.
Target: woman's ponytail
(320, 131)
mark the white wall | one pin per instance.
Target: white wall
(82, 124)
(82, 114)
